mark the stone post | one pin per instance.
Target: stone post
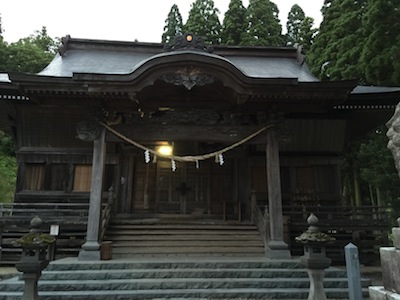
(314, 258)
(277, 247)
(33, 260)
(91, 248)
(353, 271)
(390, 260)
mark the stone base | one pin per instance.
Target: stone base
(278, 250)
(379, 293)
(390, 256)
(85, 255)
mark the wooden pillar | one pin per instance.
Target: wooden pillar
(91, 248)
(277, 247)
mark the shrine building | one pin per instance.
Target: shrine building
(244, 126)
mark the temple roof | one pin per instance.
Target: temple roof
(111, 57)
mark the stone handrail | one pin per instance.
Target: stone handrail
(106, 213)
(260, 219)
(105, 219)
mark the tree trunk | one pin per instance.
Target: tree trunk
(371, 194)
(357, 192)
(379, 197)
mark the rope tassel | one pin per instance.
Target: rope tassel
(173, 165)
(221, 159)
(147, 156)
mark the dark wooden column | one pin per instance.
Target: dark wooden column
(91, 248)
(277, 247)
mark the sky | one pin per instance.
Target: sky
(123, 20)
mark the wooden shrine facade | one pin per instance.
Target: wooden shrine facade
(86, 122)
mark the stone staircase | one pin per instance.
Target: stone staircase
(180, 236)
(176, 258)
(178, 278)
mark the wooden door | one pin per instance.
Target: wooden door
(184, 190)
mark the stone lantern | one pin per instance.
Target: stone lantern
(315, 258)
(34, 249)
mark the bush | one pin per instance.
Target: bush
(8, 177)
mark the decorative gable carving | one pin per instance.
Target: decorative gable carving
(188, 77)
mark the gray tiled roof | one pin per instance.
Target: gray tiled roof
(125, 60)
(374, 89)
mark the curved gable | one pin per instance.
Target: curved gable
(187, 68)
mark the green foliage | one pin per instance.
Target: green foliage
(360, 40)
(307, 34)
(369, 174)
(300, 29)
(234, 23)
(35, 239)
(381, 53)
(295, 20)
(8, 168)
(173, 25)
(263, 25)
(29, 54)
(7, 145)
(335, 53)
(377, 166)
(8, 171)
(203, 21)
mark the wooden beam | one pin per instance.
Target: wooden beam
(159, 132)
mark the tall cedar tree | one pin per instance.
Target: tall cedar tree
(234, 23)
(295, 19)
(336, 49)
(173, 25)
(381, 54)
(203, 21)
(263, 25)
(307, 34)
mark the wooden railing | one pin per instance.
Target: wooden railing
(70, 217)
(367, 227)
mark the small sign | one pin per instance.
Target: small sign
(54, 229)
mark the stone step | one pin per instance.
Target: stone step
(189, 226)
(240, 238)
(193, 294)
(177, 238)
(151, 263)
(174, 283)
(135, 248)
(256, 274)
(139, 231)
(178, 278)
